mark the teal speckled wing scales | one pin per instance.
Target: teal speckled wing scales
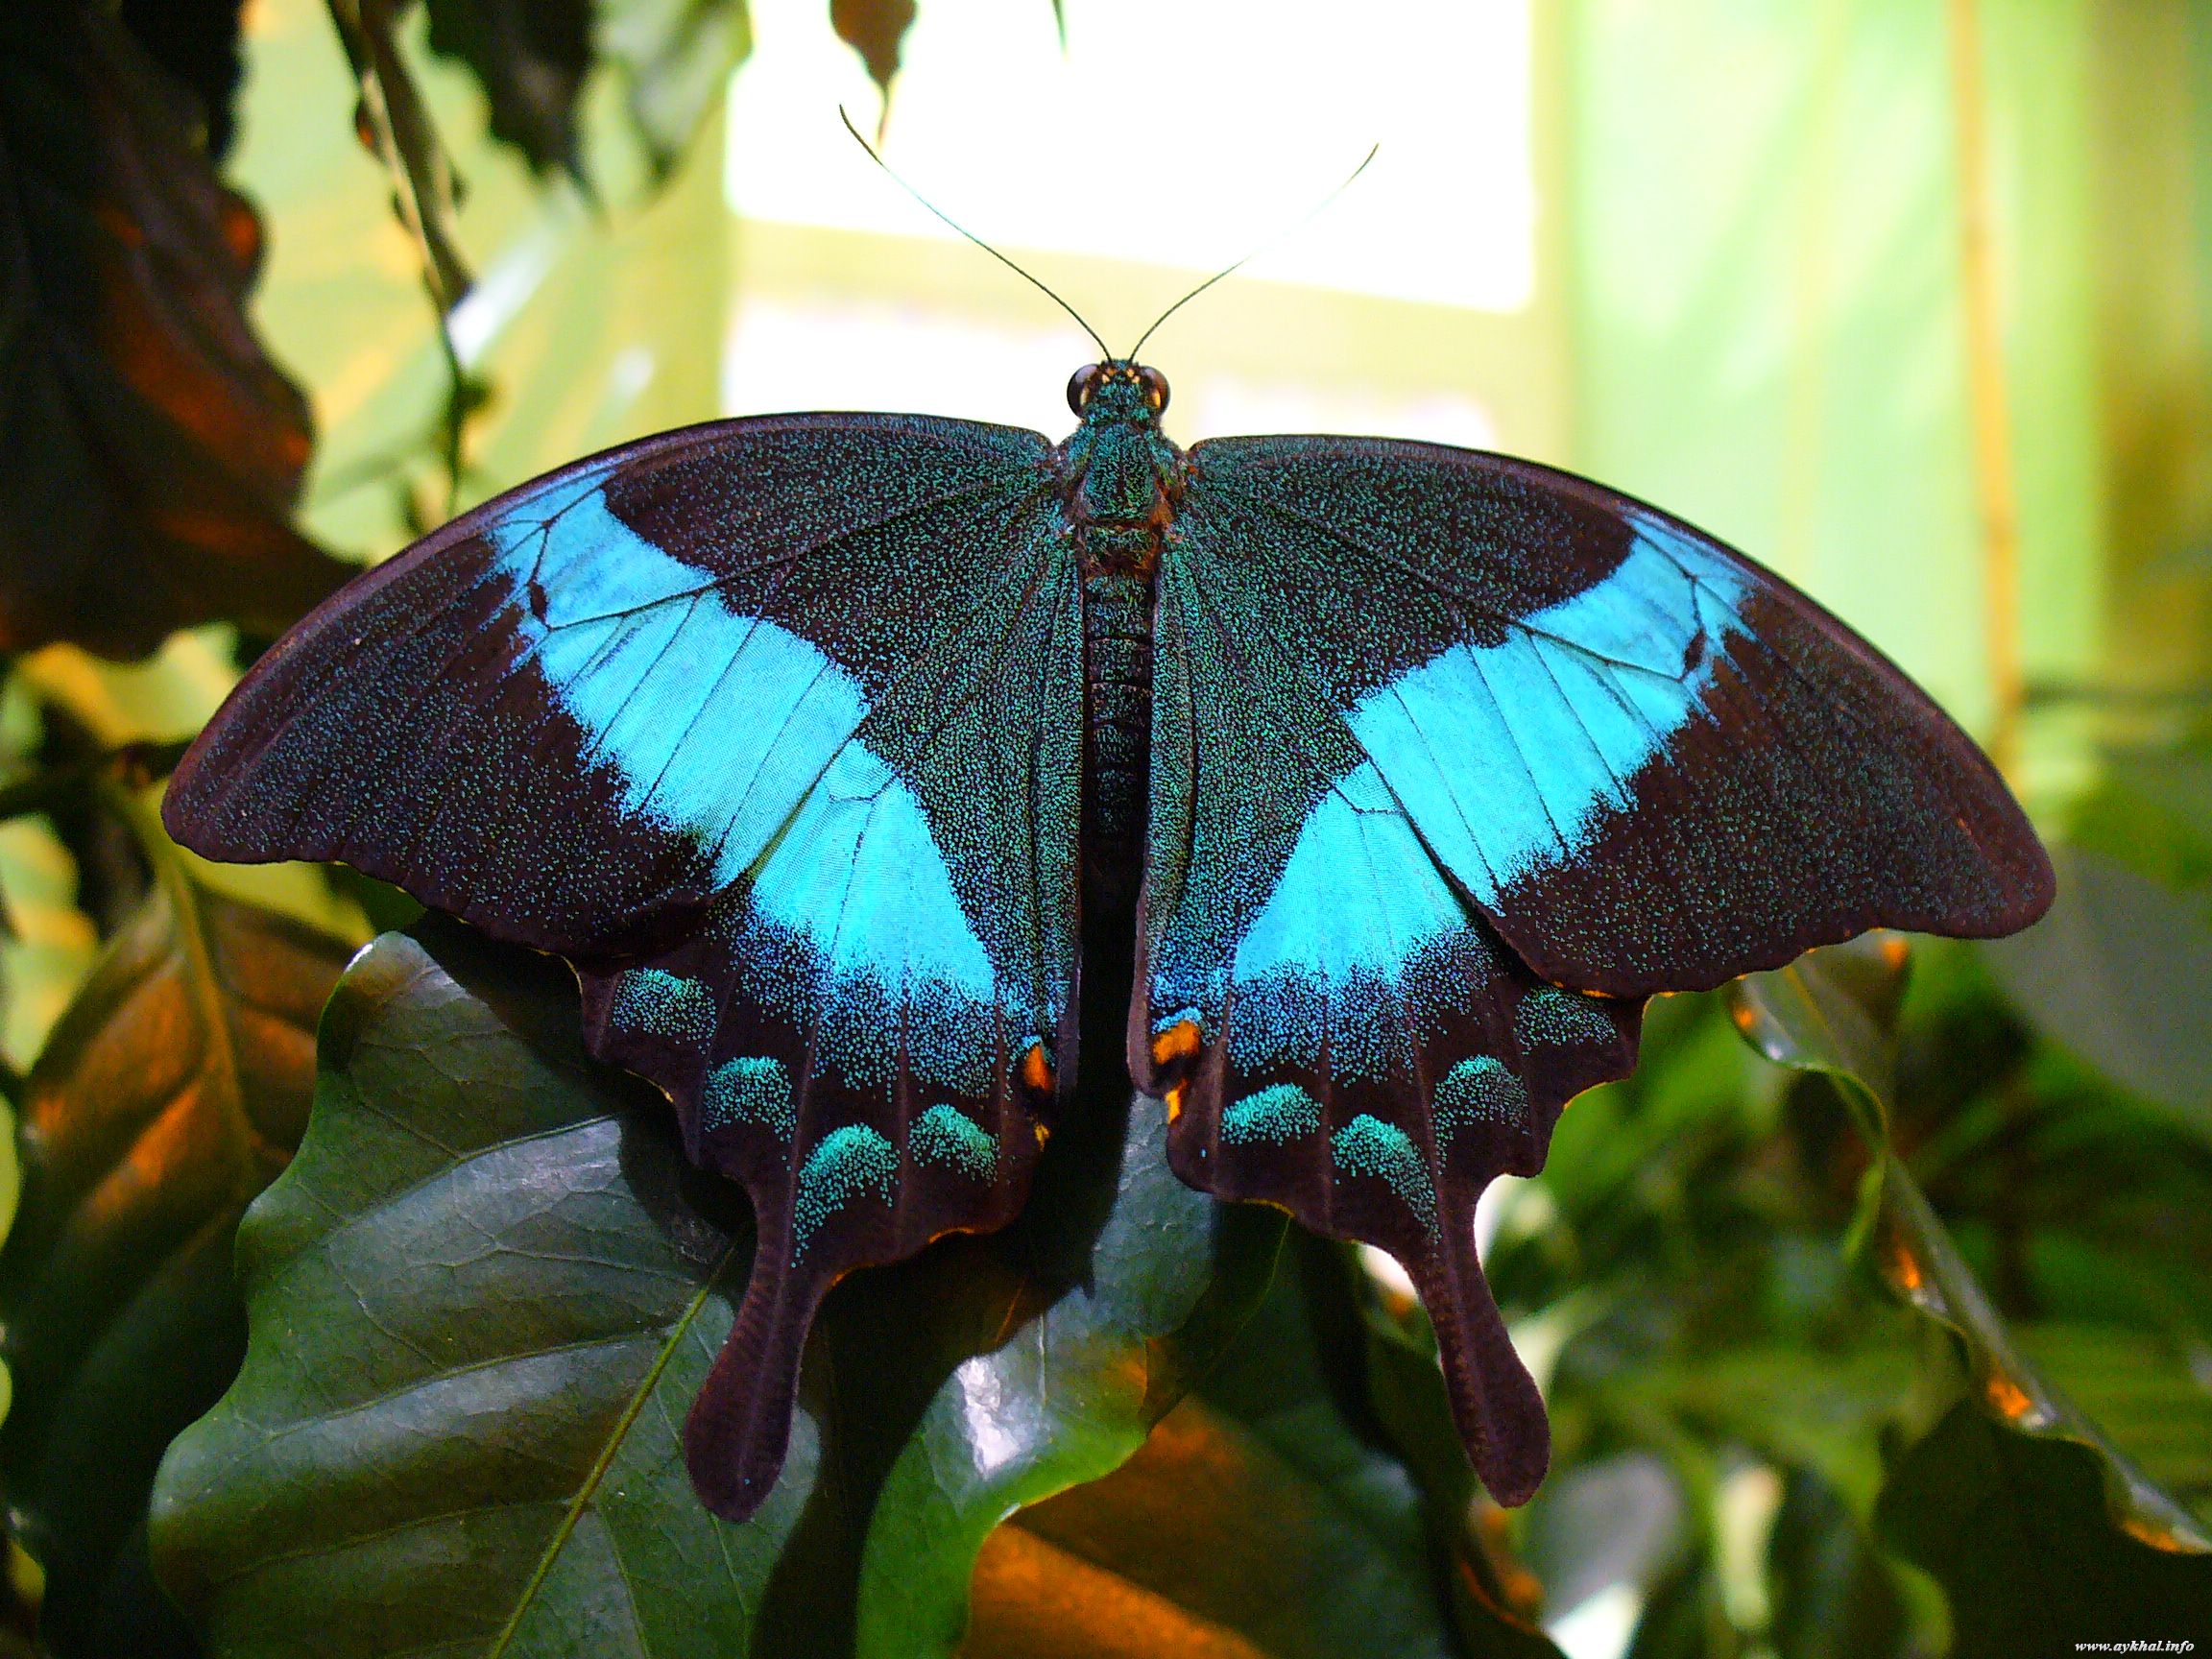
(773, 728)
(1456, 760)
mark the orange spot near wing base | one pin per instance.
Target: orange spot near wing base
(1037, 1070)
(1181, 1041)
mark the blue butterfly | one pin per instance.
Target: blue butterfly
(853, 758)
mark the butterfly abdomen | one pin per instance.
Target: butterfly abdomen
(1117, 700)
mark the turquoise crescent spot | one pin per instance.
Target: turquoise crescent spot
(1551, 1018)
(845, 1164)
(1281, 1113)
(947, 1137)
(651, 1002)
(1477, 1091)
(1168, 1021)
(749, 1090)
(1369, 1146)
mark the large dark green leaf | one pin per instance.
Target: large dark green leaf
(172, 1091)
(2014, 1527)
(1833, 1597)
(154, 450)
(2120, 973)
(481, 1299)
(1257, 1520)
(1834, 1012)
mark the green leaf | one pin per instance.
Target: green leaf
(2011, 1525)
(1801, 1408)
(154, 451)
(1378, 1363)
(2143, 1390)
(1257, 1520)
(534, 59)
(677, 57)
(1833, 1597)
(49, 945)
(483, 1295)
(171, 1092)
(531, 56)
(2119, 971)
(1834, 1012)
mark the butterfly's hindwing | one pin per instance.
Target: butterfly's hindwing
(774, 730)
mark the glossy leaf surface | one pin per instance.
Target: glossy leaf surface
(172, 1091)
(1257, 1520)
(484, 1293)
(2012, 1525)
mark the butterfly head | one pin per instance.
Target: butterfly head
(1118, 389)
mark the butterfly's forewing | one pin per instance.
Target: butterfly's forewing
(772, 728)
(1653, 764)
(1456, 760)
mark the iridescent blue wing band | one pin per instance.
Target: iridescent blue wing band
(1456, 760)
(773, 728)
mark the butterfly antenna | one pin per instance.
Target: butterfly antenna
(947, 219)
(1274, 241)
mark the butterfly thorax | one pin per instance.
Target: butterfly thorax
(1120, 479)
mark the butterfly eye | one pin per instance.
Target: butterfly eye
(1155, 388)
(1080, 385)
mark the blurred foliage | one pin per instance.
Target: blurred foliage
(168, 1096)
(1885, 1332)
(154, 451)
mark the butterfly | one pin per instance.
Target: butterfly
(850, 758)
